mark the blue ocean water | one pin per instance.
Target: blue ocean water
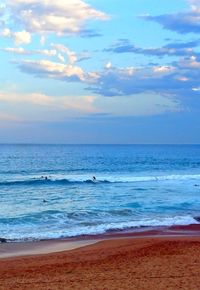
(136, 186)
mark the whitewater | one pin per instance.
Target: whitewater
(47, 191)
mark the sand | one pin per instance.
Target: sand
(8, 250)
(150, 262)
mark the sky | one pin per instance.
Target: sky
(100, 71)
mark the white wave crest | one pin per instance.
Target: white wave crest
(98, 229)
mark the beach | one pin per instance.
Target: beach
(151, 260)
(99, 145)
(136, 227)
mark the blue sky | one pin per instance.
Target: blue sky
(100, 71)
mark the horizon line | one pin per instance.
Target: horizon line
(99, 144)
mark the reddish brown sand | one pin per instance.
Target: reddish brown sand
(126, 263)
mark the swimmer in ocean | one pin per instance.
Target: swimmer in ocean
(94, 179)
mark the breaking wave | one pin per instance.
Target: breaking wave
(101, 180)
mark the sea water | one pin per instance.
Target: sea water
(47, 191)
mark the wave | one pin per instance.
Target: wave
(112, 179)
(65, 217)
(32, 232)
(50, 181)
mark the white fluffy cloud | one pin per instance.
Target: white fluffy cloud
(53, 16)
(20, 37)
(56, 70)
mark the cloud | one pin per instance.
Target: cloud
(131, 80)
(22, 51)
(37, 99)
(49, 107)
(72, 57)
(174, 81)
(9, 118)
(138, 105)
(196, 89)
(83, 104)
(89, 33)
(2, 9)
(84, 55)
(108, 65)
(177, 80)
(183, 45)
(61, 57)
(16, 50)
(63, 53)
(20, 37)
(59, 17)
(163, 69)
(190, 63)
(181, 22)
(49, 69)
(55, 70)
(171, 49)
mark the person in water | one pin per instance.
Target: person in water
(93, 178)
(44, 177)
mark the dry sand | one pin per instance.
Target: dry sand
(117, 263)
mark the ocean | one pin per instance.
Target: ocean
(47, 191)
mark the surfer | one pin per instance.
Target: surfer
(94, 179)
(44, 177)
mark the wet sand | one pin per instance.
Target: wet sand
(8, 250)
(153, 260)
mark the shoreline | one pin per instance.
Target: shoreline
(34, 248)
